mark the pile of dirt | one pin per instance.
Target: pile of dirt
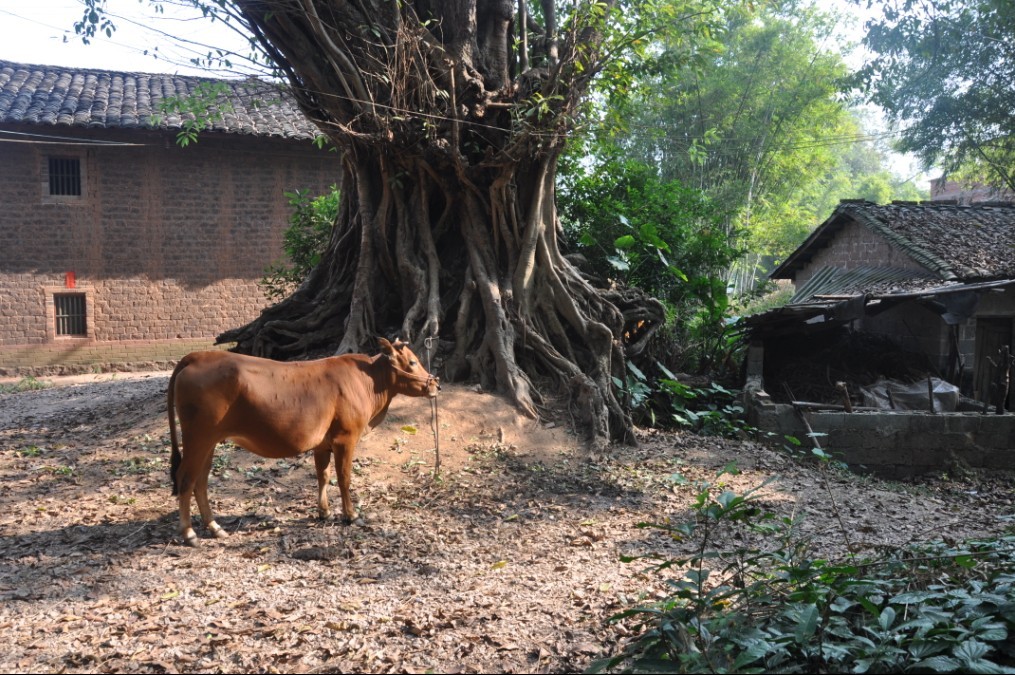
(509, 562)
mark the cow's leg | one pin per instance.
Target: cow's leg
(343, 468)
(195, 464)
(322, 458)
(186, 531)
(201, 494)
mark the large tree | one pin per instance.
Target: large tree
(451, 116)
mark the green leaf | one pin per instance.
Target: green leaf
(887, 618)
(624, 242)
(807, 624)
(677, 273)
(970, 651)
(939, 664)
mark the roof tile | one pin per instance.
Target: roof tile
(959, 243)
(56, 95)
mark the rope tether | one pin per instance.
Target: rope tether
(428, 343)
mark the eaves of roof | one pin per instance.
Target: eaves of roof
(57, 96)
(835, 282)
(828, 311)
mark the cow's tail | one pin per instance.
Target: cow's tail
(175, 458)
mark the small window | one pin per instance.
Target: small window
(71, 314)
(65, 176)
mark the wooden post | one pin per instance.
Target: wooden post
(1002, 379)
(841, 386)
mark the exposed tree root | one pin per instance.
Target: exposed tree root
(448, 211)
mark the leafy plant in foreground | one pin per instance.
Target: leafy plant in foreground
(930, 608)
(664, 401)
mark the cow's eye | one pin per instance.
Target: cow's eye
(412, 363)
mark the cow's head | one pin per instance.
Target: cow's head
(410, 375)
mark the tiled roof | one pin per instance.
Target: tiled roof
(59, 96)
(957, 243)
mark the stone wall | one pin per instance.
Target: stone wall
(891, 444)
(896, 444)
(167, 243)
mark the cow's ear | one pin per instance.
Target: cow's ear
(386, 346)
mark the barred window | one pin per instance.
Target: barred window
(71, 314)
(65, 176)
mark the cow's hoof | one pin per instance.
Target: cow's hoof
(324, 515)
(220, 533)
(192, 541)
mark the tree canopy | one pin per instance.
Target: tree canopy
(752, 113)
(943, 70)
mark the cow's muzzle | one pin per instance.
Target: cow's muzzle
(433, 385)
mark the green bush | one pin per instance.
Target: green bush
(636, 228)
(664, 401)
(304, 241)
(24, 384)
(937, 607)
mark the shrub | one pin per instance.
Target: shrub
(931, 608)
(304, 241)
(24, 384)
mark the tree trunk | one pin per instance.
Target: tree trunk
(448, 224)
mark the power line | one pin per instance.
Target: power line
(51, 139)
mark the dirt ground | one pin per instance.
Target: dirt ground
(510, 562)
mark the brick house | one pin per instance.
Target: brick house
(933, 278)
(118, 245)
(946, 189)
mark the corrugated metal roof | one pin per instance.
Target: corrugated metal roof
(72, 97)
(829, 282)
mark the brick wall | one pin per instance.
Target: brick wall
(75, 356)
(856, 246)
(167, 243)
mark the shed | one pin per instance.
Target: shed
(934, 279)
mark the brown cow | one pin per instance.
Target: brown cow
(277, 410)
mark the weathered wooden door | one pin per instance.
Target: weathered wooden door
(991, 335)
